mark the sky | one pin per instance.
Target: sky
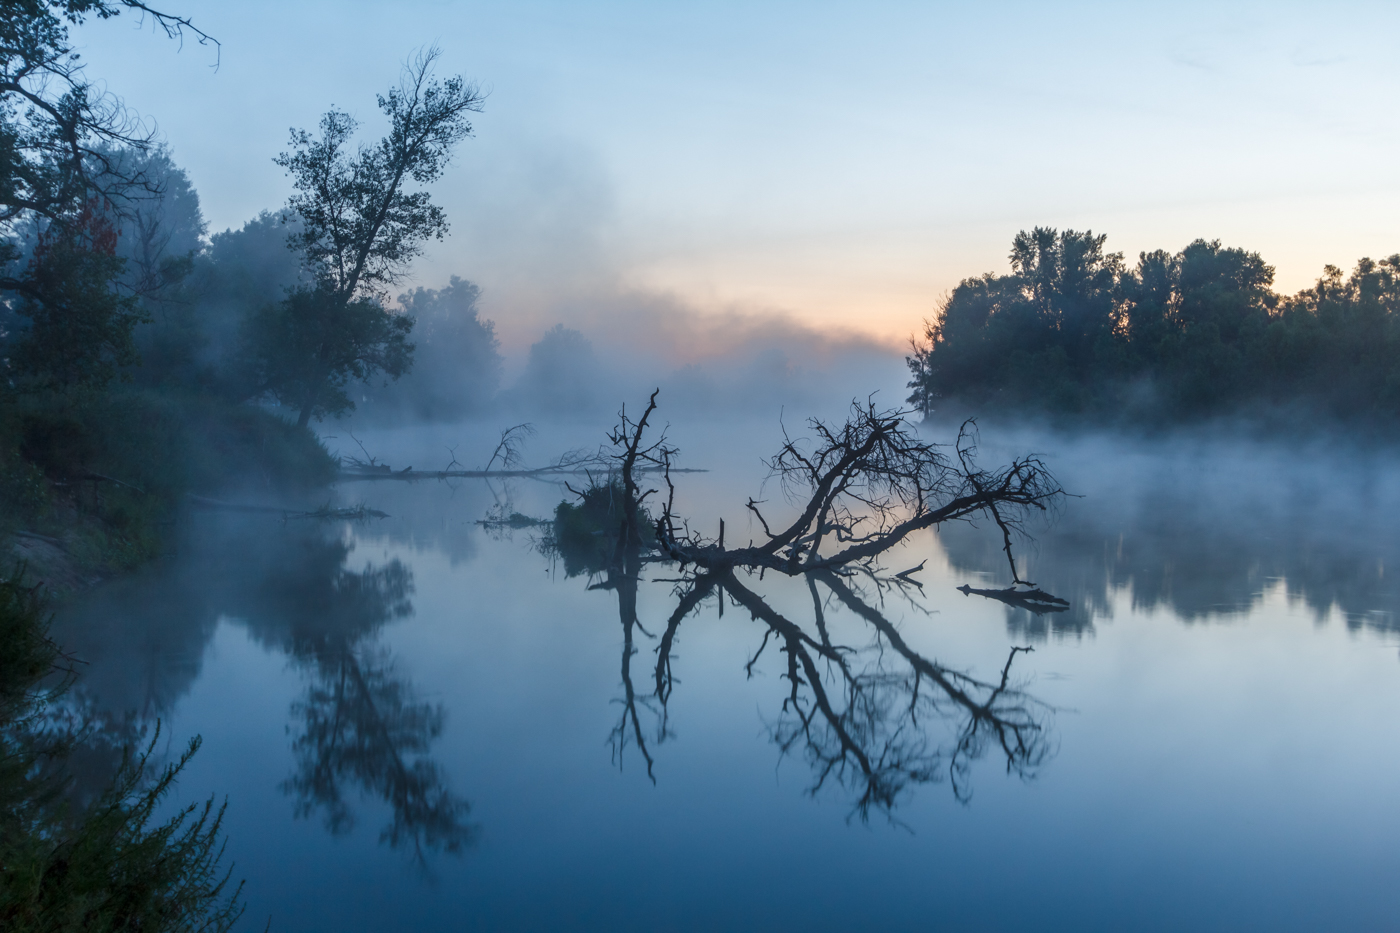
(837, 166)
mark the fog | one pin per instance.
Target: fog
(557, 519)
(1201, 523)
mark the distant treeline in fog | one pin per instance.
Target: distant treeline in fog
(205, 306)
(1178, 336)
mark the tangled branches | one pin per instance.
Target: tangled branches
(862, 718)
(863, 488)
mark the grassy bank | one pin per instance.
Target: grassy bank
(105, 477)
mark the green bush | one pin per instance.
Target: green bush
(585, 533)
(109, 473)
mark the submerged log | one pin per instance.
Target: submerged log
(539, 473)
(352, 513)
(1034, 600)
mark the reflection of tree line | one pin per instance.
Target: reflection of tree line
(1202, 551)
(359, 728)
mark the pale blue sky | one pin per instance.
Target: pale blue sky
(843, 163)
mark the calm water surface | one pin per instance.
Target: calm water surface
(421, 723)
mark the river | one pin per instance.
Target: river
(421, 722)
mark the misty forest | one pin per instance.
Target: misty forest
(350, 584)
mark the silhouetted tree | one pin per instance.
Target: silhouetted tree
(561, 373)
(58, 132)
(160, 235)
(360, 227)
(343, 340)
(241, 271)
(68, 169)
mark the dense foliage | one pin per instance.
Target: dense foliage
(1198, 333)
(361, 223)
(142, 359)
(586, 533)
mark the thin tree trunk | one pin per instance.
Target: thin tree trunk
(305, 418)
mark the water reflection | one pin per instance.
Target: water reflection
(877, 720)
(1207, 542)
(864, 717)
(360, 728)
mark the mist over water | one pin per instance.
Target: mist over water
(1204, 524)
(605, 471)
(486, 766)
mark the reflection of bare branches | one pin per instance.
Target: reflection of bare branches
(863, 719)
(622, 578)
(1033, 600)
(1004, 712)
(700, 587)
(863, 729)
(629, 727)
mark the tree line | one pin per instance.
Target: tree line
(141, 358)
(1178, 336)
(114, 281)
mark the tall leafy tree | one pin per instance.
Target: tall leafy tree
(65, 176)
(307, 348)
(364, 216)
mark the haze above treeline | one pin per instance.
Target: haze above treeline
(1073, 327)
(846, 162)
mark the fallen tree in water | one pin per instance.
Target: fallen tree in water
(862, 488)
(508, 454)
(865, 718)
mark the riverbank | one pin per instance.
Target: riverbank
(91, 487)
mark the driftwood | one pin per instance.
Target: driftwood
(325, 512)
(207, 503)
(408, 473)
(506, 462)
(861, 718)
(514, 520)
(1034, 600)
(353, 513)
